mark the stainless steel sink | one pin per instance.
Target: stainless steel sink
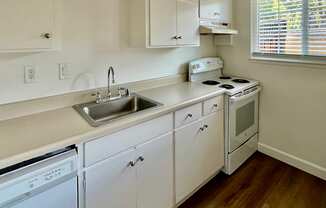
(98, 114)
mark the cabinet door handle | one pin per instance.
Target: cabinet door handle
(46, 35)
(179, 37)
(215, 106)
(131, 164)
(204, 128)
(140, 159)
(175, 37)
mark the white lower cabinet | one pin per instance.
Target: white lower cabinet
(211, 147)
(141, 177)
(112, 183)
(198, 155)
(147, 166)
(155, 173)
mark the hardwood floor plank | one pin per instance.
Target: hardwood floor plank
(262, 182)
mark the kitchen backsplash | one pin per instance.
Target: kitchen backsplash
(92, 39)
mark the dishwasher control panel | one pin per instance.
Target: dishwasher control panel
(49, 176)
(22, 183)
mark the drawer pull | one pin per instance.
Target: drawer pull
(215, 106)
(189, 116)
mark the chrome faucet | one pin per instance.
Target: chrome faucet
(110, 71)
(122, 92)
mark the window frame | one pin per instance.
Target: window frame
(256, 56)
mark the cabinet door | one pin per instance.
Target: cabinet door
(163, 28)
(220, 10)
(188, 22)
(112, 183)
(211, 147)
(155, 173)
(24, 24)
(187, 160)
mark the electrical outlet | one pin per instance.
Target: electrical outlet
(30, 74)
(64, 71)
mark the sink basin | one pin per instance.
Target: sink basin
(99, 114)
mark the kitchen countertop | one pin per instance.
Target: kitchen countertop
(34, 135)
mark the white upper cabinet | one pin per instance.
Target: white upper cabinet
(220, 10)
(28, 25)
(187, 22)
(164, 23)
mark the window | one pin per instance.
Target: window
(289, 28)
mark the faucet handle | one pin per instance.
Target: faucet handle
(123, 91)
(98, 96)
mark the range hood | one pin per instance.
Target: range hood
(215, 27)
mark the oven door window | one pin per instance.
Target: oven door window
(245, 117)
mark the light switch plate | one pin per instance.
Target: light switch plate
(30, 75)
(64, 71)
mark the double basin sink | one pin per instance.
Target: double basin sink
(97, 114)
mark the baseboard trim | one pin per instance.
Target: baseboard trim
(299, 163)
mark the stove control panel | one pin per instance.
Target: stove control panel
(205, 65)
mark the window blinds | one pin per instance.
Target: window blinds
(291, 27)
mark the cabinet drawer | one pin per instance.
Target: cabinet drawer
(187, 115)
(213, 105)
(107, 146)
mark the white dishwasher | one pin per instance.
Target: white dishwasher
(49, 181)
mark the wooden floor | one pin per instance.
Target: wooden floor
(262, 182)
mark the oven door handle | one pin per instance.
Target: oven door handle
(237, 99)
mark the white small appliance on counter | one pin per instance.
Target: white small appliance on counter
(241, 109)
(48, 181)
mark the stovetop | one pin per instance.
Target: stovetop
(208, 71)
(232, 85)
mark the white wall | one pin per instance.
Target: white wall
(95, 33)
(293, 101)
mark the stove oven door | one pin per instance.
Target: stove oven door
(243, 118)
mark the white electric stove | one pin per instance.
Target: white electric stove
(241, 109)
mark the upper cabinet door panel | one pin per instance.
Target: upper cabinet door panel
(163, 28)
(188, 22)
(23, 24)
(216, 9)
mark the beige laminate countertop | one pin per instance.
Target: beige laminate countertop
(34, 135)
